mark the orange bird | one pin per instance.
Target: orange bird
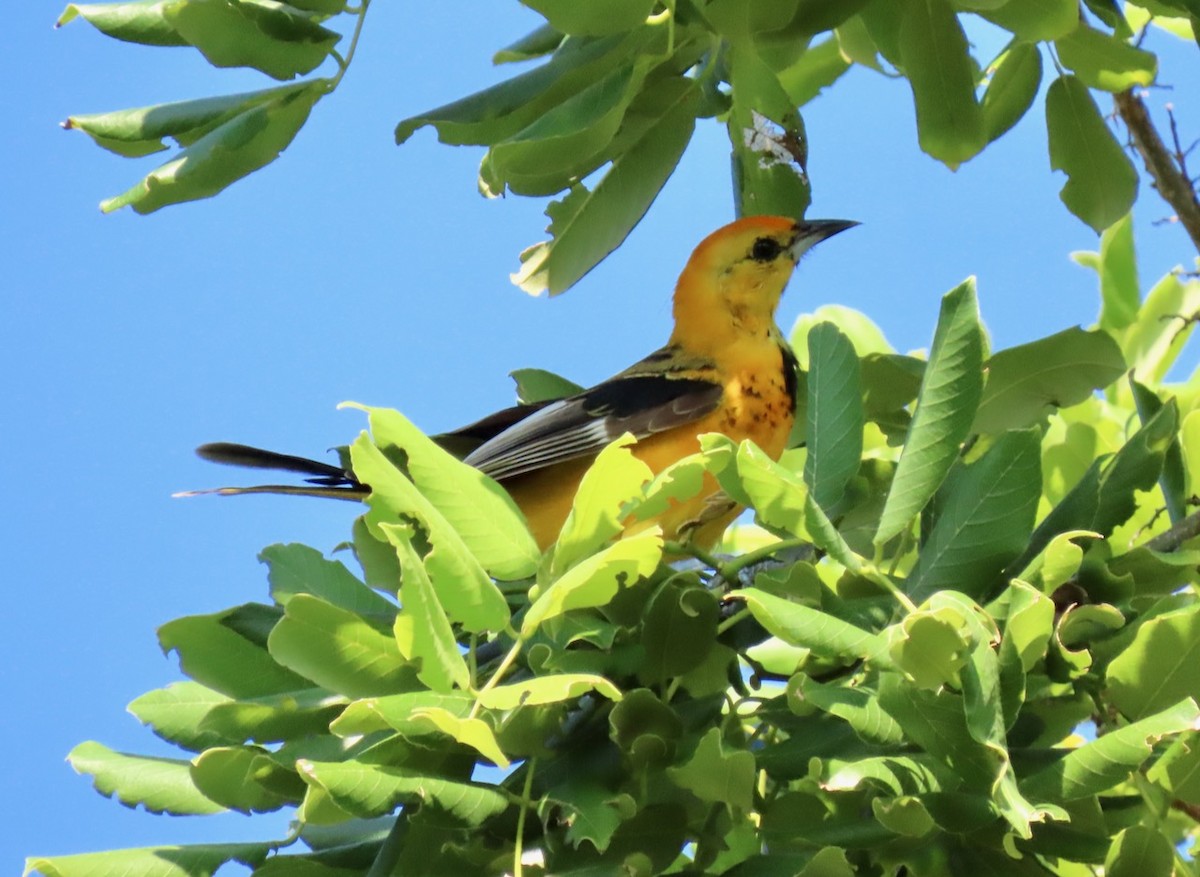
(726, 368)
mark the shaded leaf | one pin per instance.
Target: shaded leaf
(835, 415)
(271, 37)
(935, 57)
(371, 790)
(716, 775)
(237, 146)
(950, 394)
(815, 630)
(298, 569)
(587, 226)
(985, 520)
(1014, 83)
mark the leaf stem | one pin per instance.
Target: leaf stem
(750, 558)
(504, 667)
(518, 843)
(344, 63)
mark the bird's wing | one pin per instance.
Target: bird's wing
(652, 396)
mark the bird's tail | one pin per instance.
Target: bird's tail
(324, 480)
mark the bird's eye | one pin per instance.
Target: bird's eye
(765, 249)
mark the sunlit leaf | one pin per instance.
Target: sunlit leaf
(1101, 181)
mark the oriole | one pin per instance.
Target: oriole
(726, 368)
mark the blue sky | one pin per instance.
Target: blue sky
(353, 269)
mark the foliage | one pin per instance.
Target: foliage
(961, 635)
(601, 119)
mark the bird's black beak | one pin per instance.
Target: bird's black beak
(810, 232)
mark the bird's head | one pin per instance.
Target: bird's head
(737, 274)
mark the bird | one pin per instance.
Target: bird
(726, 368)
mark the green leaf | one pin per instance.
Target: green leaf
(1107, 761)
(1178, 770)
(239, 145)
(372, 790)
(196, 860)
(161, 785)
(950, 394)
(567, 142)
(502, 110)
(175, 713)
(1104, 61)
(422, 629)
(1139, 851)
(234, 777)
(267, 36)
(274, 718)
(615, 479)
(936, 721)
(1173, 481)
(546, 689)
(835, 415)
(464, 590)
(985, 520)
(1104, 497)
(592, 19)
(395, 711)
(1059, 371)
(587, 226)
(816, 69)
(936, 58)
(475, 506)
(812, 629)
(1120, 292)
(1158, 668)
(679, 629)
(1154, 341)
(714, 775)
(216, 653)
(1101, 181)
(776, 493)
(538, 385)
(931, 650)
(593, 813)
(298, 569)
(338, 650)
(141, 21)
(596, 580)
(770, 149)
(1035, 20)
(474, 733)
(856, 706)
(1016, 77)
(538, 43)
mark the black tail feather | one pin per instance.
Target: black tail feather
(322, 474)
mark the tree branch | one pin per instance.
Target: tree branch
(1163, 165)
(1170, 540)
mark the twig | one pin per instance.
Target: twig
(1170, 178)
(1170, 540)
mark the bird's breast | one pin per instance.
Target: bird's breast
(758, 404)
